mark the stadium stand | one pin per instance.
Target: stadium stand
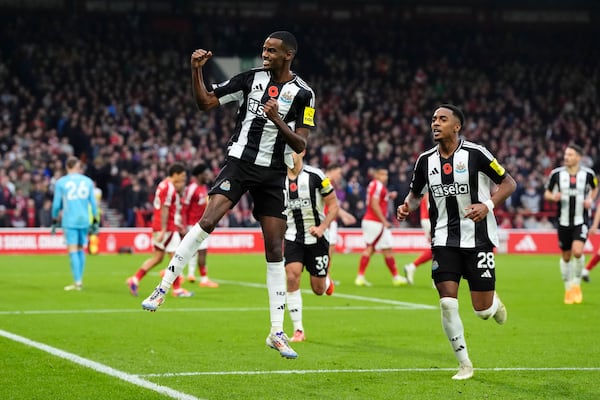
(112, 87)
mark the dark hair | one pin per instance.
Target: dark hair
(332, 166)
(575, 147)
(176, 168)
(199, 169)
(455, 111)
(289, 40)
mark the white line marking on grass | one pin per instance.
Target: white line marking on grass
(344, 296)
(134, 379)
(207, 310)
(362, 371)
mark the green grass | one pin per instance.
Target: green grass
(362, 343)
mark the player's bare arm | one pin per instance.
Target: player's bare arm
(346, 217)
(205, 100)
(295, 139)
(589, 200)
(411, 202)
(332, 211)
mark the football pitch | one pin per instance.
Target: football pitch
(378, 342)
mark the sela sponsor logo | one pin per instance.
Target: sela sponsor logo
(526, 244)
(297, 204)
(449, 190)
(257, 108)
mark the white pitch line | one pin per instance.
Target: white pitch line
(364, 371)
(133, 379)
(344, 296)
(202, 310)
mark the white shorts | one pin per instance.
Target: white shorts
(332, 233)
(375, 233)
(169, 243)
(204, 244)
(426, 225)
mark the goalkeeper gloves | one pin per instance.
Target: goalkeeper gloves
(95, 227)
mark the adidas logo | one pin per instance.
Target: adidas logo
(258, 87)
(486, 274)
(526, 244)
(434, 171)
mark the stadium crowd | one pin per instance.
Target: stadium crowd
(116, 93)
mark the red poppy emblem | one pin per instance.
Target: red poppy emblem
(293, 187)
(273, 91)
(573, 180)
(447, 168)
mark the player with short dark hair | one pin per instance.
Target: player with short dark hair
(376, 229)
(307, 236)
(276, 113)
(575, 187)
(166, 225)
(458, 176)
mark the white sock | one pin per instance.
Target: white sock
(578, 264)
(566, 272)
(453, 327)
(193, 264)
(485, 314)
(276, 288)
(294, 306)
(188, 247)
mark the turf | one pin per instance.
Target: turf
(379, 342)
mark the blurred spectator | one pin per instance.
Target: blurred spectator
(45, 214)
(17, 218)
(544, 223)
(4, 217)
(524, 102)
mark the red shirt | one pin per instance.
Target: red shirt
(165, 196)
(424, 208)
(376, 191)
(194, 202)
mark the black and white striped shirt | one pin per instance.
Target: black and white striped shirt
(455, 183)
(305, 203)
(573, 190)
(256, 138)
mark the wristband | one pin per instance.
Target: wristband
(489, 204)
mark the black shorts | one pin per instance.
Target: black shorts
(315, 257)
(266, 186)
(568, 234)
(477, 266)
